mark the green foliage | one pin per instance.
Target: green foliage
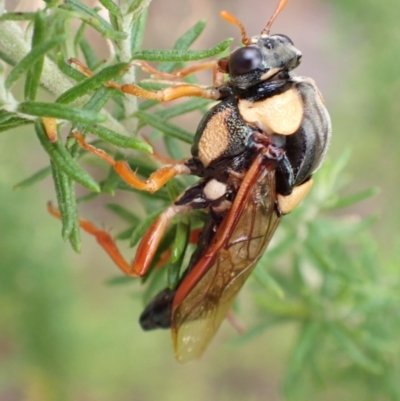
(178, 55)
(326, 277)
(323, 273)
(72, 107)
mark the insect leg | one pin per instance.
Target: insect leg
(183, 72)
(166, 94)
(192, 198)
(152, 184)
(152, 238)
(104, 239)
(181, 90)
(173, 92)
(147, 247)
(85, 71)
(218, 76)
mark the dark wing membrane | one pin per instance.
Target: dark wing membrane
(197, 318)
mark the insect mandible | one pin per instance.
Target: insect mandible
(255, 152)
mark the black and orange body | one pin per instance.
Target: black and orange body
(227, 148)
(255, 153)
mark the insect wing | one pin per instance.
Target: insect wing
(250, 225)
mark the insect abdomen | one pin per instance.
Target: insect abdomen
(306, 149)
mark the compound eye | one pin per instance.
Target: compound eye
(283, 38)
(244, 60)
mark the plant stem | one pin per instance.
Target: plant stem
(14, 45)
(124, 53)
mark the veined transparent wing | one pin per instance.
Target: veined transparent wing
(207, 293)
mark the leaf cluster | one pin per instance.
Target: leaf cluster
(86, 103)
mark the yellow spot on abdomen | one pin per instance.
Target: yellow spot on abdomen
(290, 202)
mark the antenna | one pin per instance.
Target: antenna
(281, 6)
(230, 18)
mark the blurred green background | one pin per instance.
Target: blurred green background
(65, 335)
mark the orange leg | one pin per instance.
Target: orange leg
(152, 184)
(167, 94)
(156, 74)
(151, 240)
(80, 67)
(218, 77)
(105, 241)
(85, 71)
(218, 74)
(172, 93)
(147, 247)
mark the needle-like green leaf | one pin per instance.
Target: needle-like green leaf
(111, 7)
(68, 70)
(33, 179)
(17, 16)
(119, 140)
(92, 83)
(63, 160)
(180, 55)
(93, 19)
(61, 111)
(14, 122)
(353, 350)
(181, 240)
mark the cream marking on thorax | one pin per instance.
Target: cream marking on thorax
(280, 114)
